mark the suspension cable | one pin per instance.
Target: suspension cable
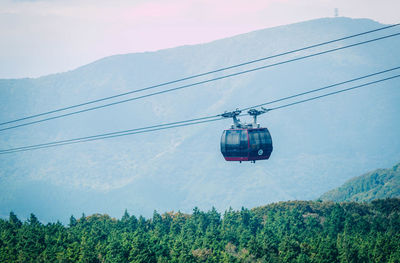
(200, 82)
(333, 93)
(118, 133)
(174, 124)
(200, 75)
(319, 89)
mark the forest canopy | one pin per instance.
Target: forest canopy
(295, 231)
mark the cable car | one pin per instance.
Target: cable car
(246, 142)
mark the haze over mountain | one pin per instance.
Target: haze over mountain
(317, 145)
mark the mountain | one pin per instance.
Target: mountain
(378, 184)
(317, 145)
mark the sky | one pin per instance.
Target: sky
(41, 37)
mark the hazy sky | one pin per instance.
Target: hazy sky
(40, 37)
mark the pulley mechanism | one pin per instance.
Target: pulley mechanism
(236, 122)
(233, 115)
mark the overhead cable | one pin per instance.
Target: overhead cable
(118, 133)
(333, 93)
(200, 82)
(319, 89)
(200, 75)
(175, 124)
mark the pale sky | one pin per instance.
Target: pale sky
(39, 37)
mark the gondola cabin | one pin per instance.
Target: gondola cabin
(246, 142)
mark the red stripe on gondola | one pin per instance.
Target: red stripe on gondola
(248, 144)
(236, 158)
(244, 159)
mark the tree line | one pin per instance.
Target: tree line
(294, 231)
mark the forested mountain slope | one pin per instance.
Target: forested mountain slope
(378, 184)
(298, 231)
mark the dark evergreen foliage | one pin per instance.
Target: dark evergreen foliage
(378, 184)
(297, 231)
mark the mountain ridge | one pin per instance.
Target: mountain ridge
(317, 146)
(217, 41)
(377, 184)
